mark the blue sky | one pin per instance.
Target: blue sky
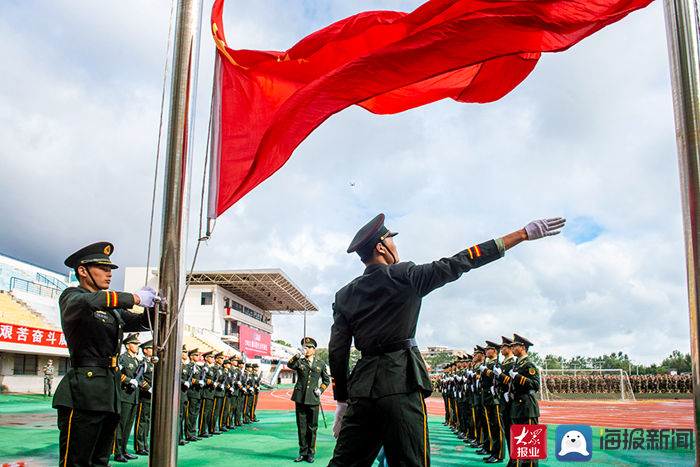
(589, 135)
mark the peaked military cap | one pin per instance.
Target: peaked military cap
(368, 236)
(521, 340)
(97, 253)
(248, 365)
(254, 365)
(147, 345)
(131, 339)
(309, 342)
(184, 348)
(506, 341)
(208, 354)
(227, 361)
(193, 352)
(468, 357)
(493, 345)
(479, 349)
(219, 355)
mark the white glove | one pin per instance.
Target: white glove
(187, 384)
(497, 371)
(340, 410)
(512, 373)
(201, 383)
(133, 383)
(216, 385)
(482, 367)
(544, 227)
(317, 391)
(471, 386)
(506, 396)
(147, 296)
(493, 391)
(150, 390)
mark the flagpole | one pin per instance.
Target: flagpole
(682, 35)
(168, 334)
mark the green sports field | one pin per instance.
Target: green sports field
(28, 434)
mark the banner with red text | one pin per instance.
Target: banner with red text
(253, 342)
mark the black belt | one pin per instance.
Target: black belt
(106, 362)
(390, 347)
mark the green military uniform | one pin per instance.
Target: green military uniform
(249, 383)
(380, 309)
(491, 391)
(49, 370)
(525, 383)
(257, 375)
(194, 397)
(219, 394)
(143, 416)
(129, 395)
(87, 398)
(478, 402)
(205, 413)
(226, 422)
(184, 386)
(239, 393)
(312, 380)
(504, 384)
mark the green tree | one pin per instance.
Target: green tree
(677, 361)
(281, 342)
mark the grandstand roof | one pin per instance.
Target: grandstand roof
(268, 289)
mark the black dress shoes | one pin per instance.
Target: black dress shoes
(299, 459)
(310, 459)
(120, 458)
(142, 453)
(130, 456)
(492, 460)
(482, 451)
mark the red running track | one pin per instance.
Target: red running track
(612, 414)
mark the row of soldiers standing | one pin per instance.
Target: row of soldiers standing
(484, 397)
(217, 396)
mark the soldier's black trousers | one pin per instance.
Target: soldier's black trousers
(143, 426)
(307, 425)
(399, 422)
(125, 424)
(183, 417)
(216, 413)
(494, 428)
(85, 437)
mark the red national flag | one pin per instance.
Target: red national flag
(266, 103)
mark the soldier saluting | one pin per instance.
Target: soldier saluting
(94, 319)
(379, 310)
(307, 396)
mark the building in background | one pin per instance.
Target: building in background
(30, 327)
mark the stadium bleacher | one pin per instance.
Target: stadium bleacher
(14, 311)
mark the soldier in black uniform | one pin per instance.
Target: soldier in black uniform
(307, 396)
(380, 309)
(207, 393)
(184, 386)
(93, 321)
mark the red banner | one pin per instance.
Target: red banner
(253, 342)
(19, 334)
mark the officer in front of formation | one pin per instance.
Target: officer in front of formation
(307, 396)
(379, 310)
(94, 319)
(128, 365)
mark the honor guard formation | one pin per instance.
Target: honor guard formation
(485, 396)
(107, 394)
